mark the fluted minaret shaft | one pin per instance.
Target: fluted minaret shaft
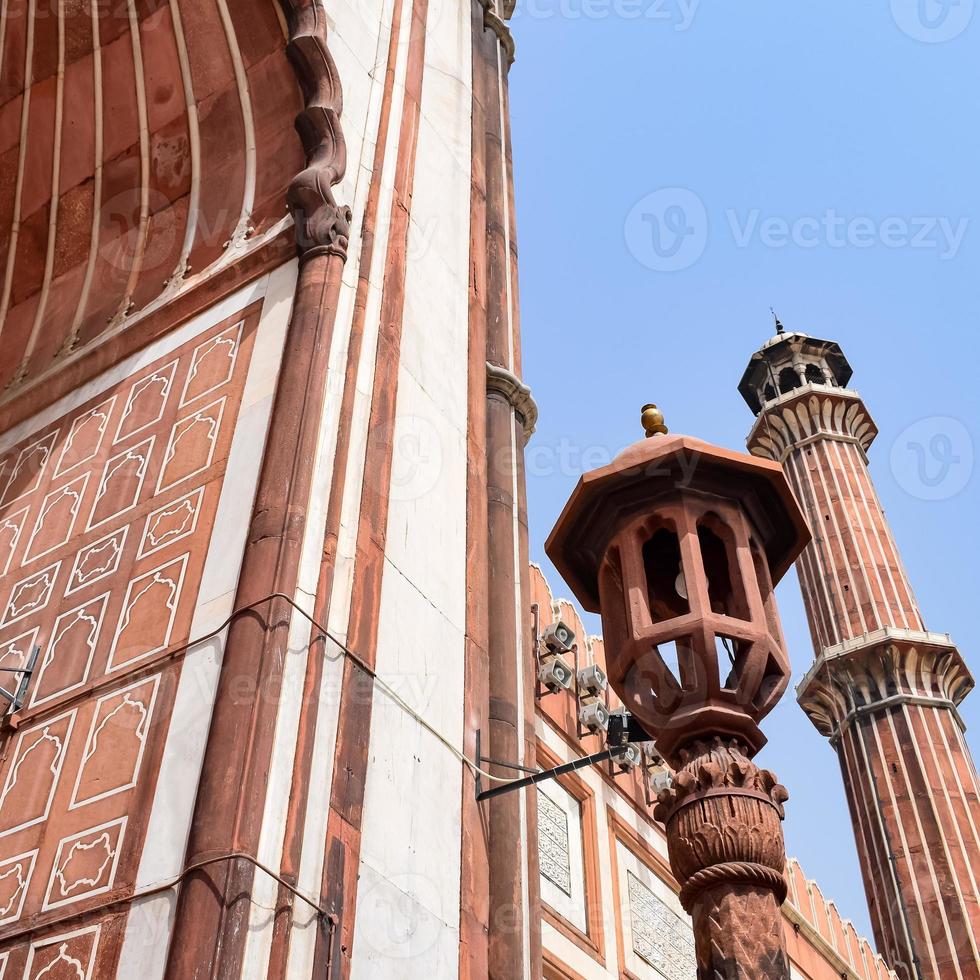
(853, 578)
(883, 688)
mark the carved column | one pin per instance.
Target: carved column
(723, 818)
(506, 713)
(211, 920)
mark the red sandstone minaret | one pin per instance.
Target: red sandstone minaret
(883, 688)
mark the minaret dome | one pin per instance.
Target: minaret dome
(789, 361)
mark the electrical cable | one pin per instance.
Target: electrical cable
(387, 689)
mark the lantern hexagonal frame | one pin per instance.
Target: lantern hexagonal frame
(673, 505)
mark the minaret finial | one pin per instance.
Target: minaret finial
(653, 421)
(780, 329)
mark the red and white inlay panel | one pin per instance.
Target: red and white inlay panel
(105, 519)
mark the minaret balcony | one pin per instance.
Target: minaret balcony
(809, 413)
(880, 670)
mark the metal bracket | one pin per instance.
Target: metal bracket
(619, 736)
(544, 775)
(16, 699)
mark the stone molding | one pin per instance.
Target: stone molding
(516, 393)
(492, 21)
(809, 414)
(880, 670)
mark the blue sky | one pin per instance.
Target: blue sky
(682, 166)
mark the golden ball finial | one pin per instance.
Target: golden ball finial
(653, 421)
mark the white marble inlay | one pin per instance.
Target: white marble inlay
(659, 936)
(553, 843)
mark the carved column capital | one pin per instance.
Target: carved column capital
(723, 817)
(516, 393)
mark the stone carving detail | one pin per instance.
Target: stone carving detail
(69, 955)
(15, 652)
(660, 937)
(67, 656)
(321, 224)
(192, 444)
(97, 561)
(85, 436)
(553, 844)
(835, 414)
(213, 364)
(30, 594)
(506, 383)
(33, 774)
(148, 613)
(879, 671)
(11, 526)
(171, 523)
(15, 879)
(116, 743)
(56, 518)
(723, 816)
(121, 482)
(25, 474)
(146, 402)
(102, 602)
(86, 864)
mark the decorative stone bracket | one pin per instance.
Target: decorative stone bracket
(322, 226)
(492, 21)
(516, 393)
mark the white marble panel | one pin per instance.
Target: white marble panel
(561, 858)
(657, 936)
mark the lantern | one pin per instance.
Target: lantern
(678, 544)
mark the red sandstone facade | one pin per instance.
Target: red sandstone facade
(267, 637)
(883, 688)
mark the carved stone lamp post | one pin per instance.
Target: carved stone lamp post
(678, 544)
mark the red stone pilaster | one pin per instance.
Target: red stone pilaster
(503, 899)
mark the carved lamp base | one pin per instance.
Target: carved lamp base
(723, 817)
